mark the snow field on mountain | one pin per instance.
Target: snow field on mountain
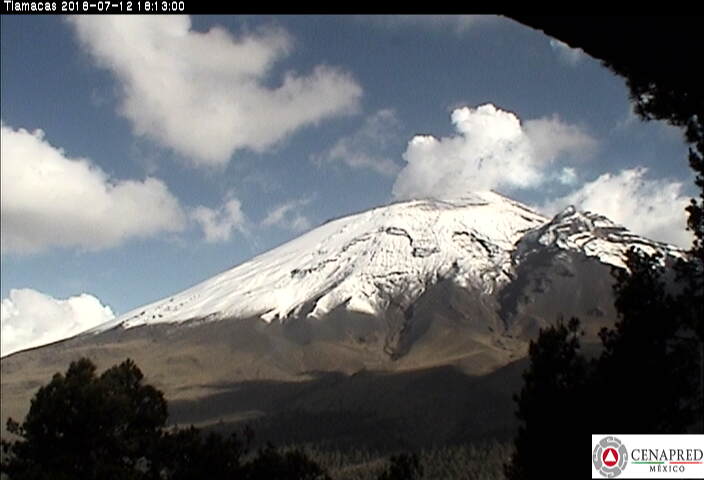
(389, 255)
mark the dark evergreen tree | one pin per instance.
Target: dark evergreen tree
(676, 333)
(651, 370)
(651, 353)
(648, 369)
(186, 454)
(82, 426)
(692, 271)
(552, 404)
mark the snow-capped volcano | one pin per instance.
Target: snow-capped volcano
(362, 261)
(391, 254)
(407, 312)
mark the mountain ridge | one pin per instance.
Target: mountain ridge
(388, 254)
(449, 295)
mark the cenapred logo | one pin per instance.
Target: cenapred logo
(610, 457)
(647, 456)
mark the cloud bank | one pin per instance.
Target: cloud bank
(51, 200)
(491, 150)
(30, 318)
(206, 95)
(653, 208)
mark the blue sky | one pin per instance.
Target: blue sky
(143, 155)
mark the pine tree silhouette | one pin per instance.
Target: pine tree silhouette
(551, 405)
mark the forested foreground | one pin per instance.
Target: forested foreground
(462, 462)
(84, 426)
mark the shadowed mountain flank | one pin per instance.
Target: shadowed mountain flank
(407, 409)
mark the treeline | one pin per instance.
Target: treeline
(649, 377)
(84, 426)
(481, 460)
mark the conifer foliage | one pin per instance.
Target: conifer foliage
(82, 426)
(649, 375)
(548, 405)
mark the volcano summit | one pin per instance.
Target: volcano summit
(408, 321)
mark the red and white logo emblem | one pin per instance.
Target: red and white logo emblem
(610, 457)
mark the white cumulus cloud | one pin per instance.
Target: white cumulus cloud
(491, 150)
(31, 319)
(206, 95)
(51, 200)
(365, 148)
(218, 224)
(653, 208)
(550, 137)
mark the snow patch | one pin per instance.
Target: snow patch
(391, 254)
(592, 234)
